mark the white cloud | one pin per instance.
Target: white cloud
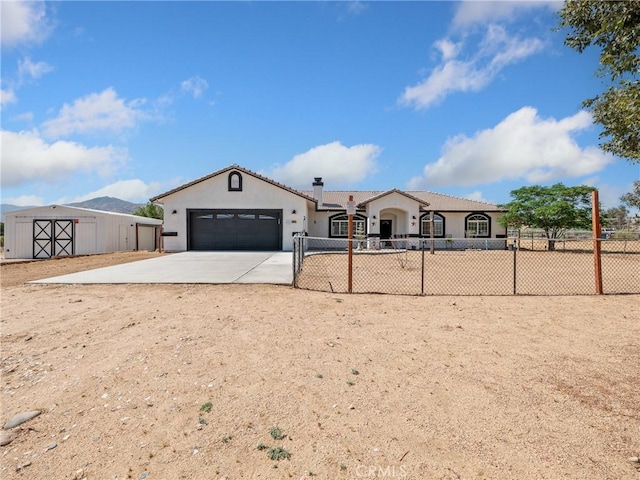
(26, 157)
(334, 162)
(23, 22)
(497, 50)
(477, 196)
(195, 86)
(134, 190)
(103, 111)
(7, 96)
(522, 146)
(472, 12)
(28, 70)
(24, 201)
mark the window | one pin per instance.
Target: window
(477, 225)
(235, 182)
(339, 226)
(438, 225)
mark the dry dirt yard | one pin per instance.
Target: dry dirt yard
(189, 381)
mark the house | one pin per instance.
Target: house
(237, 209)
(58, 230)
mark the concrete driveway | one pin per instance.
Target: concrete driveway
(193, 267)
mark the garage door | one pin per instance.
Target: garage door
(235, 230)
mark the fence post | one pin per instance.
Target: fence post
(351, 210)
(422, 277)
(595, 227)
(515, 263)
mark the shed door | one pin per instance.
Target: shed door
(52, 238)
(235, 230)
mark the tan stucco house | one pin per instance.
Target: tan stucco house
(237, 209)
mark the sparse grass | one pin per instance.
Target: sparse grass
(202, 421)
(355, 372)
(276, 433)
(261, 446)
(278, 453)
(206, 407)
(319, 375)
(343, 467)
(350, 383)
(226, 438)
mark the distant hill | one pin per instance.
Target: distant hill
(108, 204)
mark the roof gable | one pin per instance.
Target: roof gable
(391, 192)
(234, 167)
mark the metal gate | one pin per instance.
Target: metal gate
(52, 238)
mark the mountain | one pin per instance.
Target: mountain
(108, 204)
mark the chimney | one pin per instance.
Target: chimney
(317, 189)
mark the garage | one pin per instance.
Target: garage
(235, 229)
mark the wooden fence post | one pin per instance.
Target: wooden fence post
(595, 227)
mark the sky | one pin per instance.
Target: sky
(131, 99)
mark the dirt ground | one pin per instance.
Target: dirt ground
(189, 382)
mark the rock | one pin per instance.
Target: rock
(7, 437)
(20, 418)
(22, 465)
(79, 475)
(634, 459)
(51, 447)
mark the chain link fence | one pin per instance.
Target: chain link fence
(465, 266)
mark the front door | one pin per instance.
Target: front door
(385, 229)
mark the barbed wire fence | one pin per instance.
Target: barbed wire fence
(466, 266)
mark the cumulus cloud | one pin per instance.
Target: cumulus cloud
(103, 111)
(7, 96)
(195, 86)
(24, 201)
(522, 146)
(23, 22)
(28, 70)
(27, 157)
(336, 163)
(497, 50)
(473, 12)
(133, 190)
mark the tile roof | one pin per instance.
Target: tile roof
(157, 198)
(337, 200)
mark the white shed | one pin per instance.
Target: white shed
(59, 230)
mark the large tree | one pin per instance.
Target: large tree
(614, 27)
(150, 210)
(632, 199)
(553, 209)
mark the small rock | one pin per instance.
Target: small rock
(22, 465)
(351, 407)
(634, 459)
(51, 447)
(79, 475)
(20, 418)
(144, 474)
(7, 437)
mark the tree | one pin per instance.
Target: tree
(150, 210)
(616, 217)
(614, 27)
(632, 199)
(554, 209)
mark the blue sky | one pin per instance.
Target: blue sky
(130, 99)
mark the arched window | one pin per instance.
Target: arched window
(477, 225)
(235, 182)
(339, 225)
(438, 225)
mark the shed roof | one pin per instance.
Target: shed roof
(51, 210)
